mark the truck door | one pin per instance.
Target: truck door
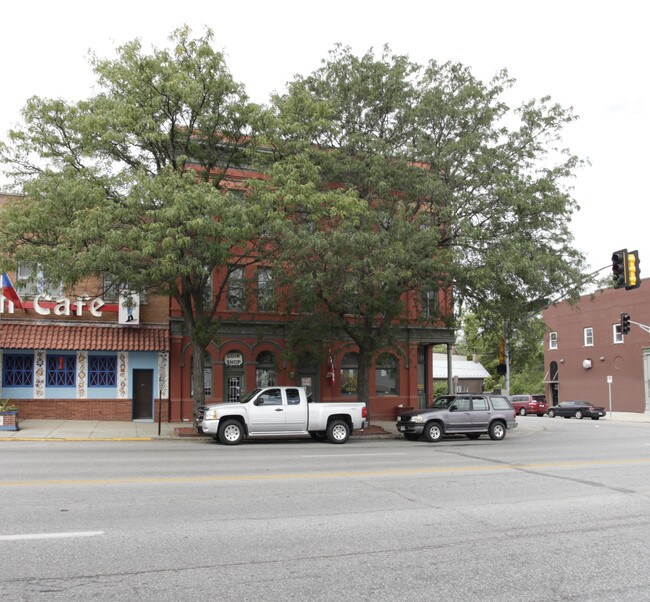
(267, 414)
(295, 411)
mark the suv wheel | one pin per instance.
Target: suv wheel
(433, 432)
(497, 431)
(522, 411)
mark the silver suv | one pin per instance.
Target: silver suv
(471, 415)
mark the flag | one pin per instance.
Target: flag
(9, 292)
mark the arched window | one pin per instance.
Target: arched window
(265, 373)
(207, 376)
(386, 375)
(350, 374)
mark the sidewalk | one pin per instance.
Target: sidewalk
(98, 430)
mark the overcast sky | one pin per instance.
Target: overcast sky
(591, 55)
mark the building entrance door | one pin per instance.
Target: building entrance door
(233, 386)
(143, 394)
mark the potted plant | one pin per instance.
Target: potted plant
(8, 415)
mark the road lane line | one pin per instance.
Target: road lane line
(324, 475)
(28, 536)
(327, 455)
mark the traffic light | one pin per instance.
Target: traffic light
(633, 278)
(619, 268)
(625, 323)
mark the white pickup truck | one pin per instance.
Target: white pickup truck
(282, 412)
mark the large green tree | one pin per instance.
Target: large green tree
(343, 131)
(456, 189)
(132, 183)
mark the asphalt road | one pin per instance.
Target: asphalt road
(558, 510)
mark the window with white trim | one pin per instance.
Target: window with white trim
(552, 340)
(617, 333)
(32, 281)
(589, 336)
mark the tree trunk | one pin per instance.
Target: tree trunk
(198, 366)
(363, 385)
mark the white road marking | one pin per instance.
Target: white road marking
(27, 536)
(354, 455)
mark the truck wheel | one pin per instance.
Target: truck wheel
(338, 431)
(230, 432)
(318, 435)
(433, 432)
(497, 430)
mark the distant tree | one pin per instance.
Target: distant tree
(133, 182)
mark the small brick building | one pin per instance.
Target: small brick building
(584, 347)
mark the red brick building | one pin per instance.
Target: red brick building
(76, 355)
(584, 346)
(250, 350)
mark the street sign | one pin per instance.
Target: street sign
(609, 380)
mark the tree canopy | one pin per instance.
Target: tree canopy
(384, 181)
(133, 183)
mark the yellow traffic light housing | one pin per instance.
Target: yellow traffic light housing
(633, 272)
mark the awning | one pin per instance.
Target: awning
(83, 338)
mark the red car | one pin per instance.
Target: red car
(529, 404)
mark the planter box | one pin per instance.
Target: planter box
(401, 409)
(9, 421)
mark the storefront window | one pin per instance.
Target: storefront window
(61, 370)
(18, 370)
(102, 370)
(265, 373)
(386, 376)
(350, 374)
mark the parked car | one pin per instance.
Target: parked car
(529, 404)
(579, 409)
(471, 415)
(282, 412)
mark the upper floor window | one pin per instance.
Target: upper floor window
(236, 289)
(552, 340)
(265, 290)
(617, 333)
(32, 281)
(589, 336)
(61, 370)
(111, 290)
(18, 370)
(430, 305)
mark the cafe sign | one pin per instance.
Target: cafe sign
(63, 306)
(233, 358)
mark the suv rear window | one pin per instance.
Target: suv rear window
(501, 403)
(541, 398)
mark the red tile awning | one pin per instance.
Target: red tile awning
(83, 338)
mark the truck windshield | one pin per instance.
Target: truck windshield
(246, 397)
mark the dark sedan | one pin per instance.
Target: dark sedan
(578, 409)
